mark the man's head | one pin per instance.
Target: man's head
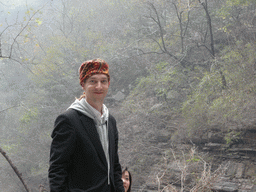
(92, 67)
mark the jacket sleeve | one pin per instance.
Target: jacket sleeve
(117, 167)
(62, 147)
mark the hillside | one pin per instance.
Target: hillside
(158, 158)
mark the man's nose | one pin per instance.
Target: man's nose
(99, 85)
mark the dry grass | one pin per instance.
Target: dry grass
(184, 172)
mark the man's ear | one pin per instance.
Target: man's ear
(108, 83)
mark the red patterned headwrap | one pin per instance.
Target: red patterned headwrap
(91, 67)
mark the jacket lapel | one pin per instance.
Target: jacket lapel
(111, 143)
(90, 128)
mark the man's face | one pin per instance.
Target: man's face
(96, 88)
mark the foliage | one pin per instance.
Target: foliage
(29, 115)
(161, 85)
(210, 104)
(232, 137)
(236, 14)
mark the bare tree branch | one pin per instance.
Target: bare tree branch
(9, 108)
(212, 51)
(150, 52)
(15, 38)
(209, 22)
(179, 16)
(158, 22)
(14, 41)
(14, 168)
(162, 46)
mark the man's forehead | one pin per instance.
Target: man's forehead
(99, 76)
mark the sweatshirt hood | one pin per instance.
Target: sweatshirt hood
(85, 108)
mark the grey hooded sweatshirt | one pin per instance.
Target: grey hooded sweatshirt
(101, 122)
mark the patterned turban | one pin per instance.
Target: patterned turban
(92, 67)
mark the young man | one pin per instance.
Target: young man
(84, 149)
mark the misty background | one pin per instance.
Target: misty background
(182, 86)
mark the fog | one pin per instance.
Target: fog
(182, 76)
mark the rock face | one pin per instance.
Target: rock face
(119, 96)
(240, 175)
(112, 101)
(238, 160)
(233, 180)
(226, 186)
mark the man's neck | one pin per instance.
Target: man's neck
(97, 105)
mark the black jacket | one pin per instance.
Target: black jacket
(77, 159)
